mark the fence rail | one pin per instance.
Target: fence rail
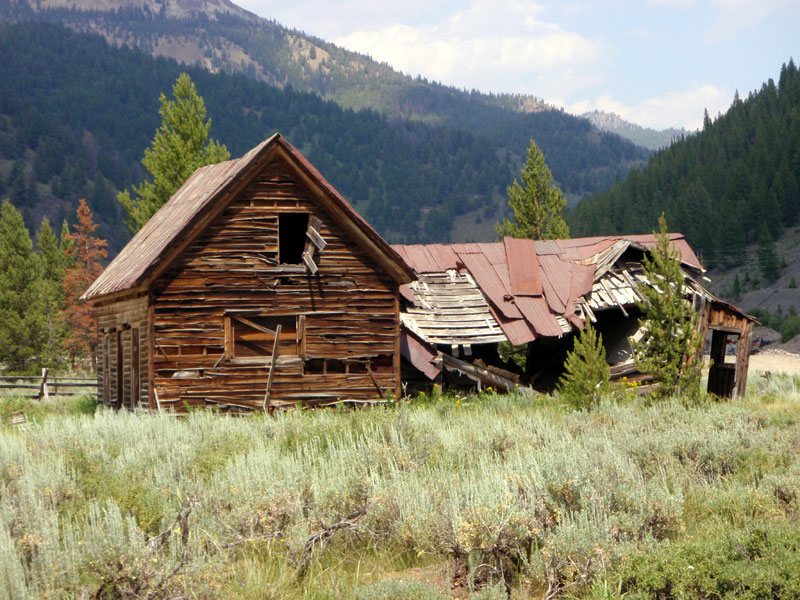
(46, 385)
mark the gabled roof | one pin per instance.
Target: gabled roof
(204, 195)
(535, 288)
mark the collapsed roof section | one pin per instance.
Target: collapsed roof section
(521, 291)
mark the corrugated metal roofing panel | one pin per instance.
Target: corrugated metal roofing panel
(495, 253)
(539, 316)
(523, 267)
(444, 256)
(547, 247)
(518, 331)
(556, 278)
(418, 354)
(417, 257)
(489, 282)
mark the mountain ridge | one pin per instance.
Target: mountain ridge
(647, 137)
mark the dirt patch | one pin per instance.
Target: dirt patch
(443, 576)
(776, 361)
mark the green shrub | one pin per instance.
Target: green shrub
(586, 374)
(754, 563)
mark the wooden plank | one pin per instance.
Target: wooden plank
(272, 364)
(256, 326)
(316, 238)
(309, 262)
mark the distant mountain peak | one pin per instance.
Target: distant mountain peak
(647, 137)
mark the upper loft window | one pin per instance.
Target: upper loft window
(292, 228)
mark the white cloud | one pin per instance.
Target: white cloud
(734, 16)
(674, 109)
(489, 45)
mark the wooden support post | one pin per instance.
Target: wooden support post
(43, 392)
(374, 381)
(275, 348)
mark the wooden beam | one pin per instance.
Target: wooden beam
(275, 348)
(476, 373)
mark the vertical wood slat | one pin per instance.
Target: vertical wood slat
(275, 349)
(301, 336)
(743, 359)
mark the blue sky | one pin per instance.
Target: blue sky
(657, 63)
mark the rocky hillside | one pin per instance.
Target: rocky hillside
(653, 139)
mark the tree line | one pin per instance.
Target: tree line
(735, 182)
(43, 322)
(76, 116)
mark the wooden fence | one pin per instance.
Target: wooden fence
(44, 386)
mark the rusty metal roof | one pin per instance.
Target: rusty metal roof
(179, 219)
(523, 267)
(539, 288)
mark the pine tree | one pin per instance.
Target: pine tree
(586, 372)
(180, 147)
(537, 204)
(668, 349)
(85, 255)
(736, 290)
(768, 261)
(53, 264)
(23, 310)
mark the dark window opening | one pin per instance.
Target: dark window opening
(292, 229)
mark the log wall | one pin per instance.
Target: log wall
(347, 313)
(120, 382)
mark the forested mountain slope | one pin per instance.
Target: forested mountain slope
(736, 180)
(222, 37)
(76, 115)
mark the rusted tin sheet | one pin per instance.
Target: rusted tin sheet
(418, 354)
(518, 331)
(537, 313)
(495, 253)
(556, 282)
(523, 267)
(418, 258)
(490, 283)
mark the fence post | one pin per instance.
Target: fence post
(43, 392)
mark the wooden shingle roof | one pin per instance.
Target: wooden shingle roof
(204, 195)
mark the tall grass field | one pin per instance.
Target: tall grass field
(479, 497)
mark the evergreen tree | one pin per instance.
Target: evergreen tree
(85, 255)
(736, 290)
(538, 207)
(53, 264)
(23, 311)
(586, 372)
(768, 261)
(180, 147)
(668, 349)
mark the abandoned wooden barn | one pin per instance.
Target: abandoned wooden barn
(467, 298)
(255, 286)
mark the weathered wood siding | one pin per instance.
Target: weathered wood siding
(347, 340)
(120, 382)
